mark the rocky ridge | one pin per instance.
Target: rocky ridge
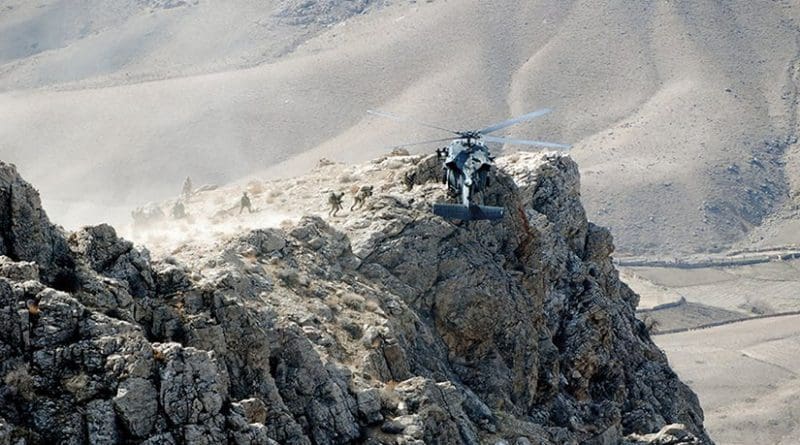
(392, 326)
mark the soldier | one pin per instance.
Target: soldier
(245, 202)
(335, 201)
(361, 197)
(409, 178)
(33, 308)
(138, 216)
(188, 188)
(178, 210)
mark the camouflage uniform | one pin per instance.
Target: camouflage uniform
(245, 202)
(178, 210)
(335, 201)
(188, 188)
(361, 197)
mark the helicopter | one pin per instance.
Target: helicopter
(466, 162)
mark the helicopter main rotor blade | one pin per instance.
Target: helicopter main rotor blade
(423, 142)
(407, 119)
(526, 142)
(516, 120)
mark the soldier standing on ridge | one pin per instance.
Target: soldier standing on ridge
(188, 188)
(178, 210)
(408, 179)
(245, 202)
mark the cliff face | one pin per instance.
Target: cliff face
(393, 327)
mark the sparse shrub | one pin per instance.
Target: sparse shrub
(255, 188)
(334, 303)
(33, 307)
(159, 356)
(290, 277)
(354, 301)
(758, 307)
(651, 324)
(390, 400)
(347, 178)
(353, 329)
(76, 384)
(372, 306)
(21, 381)
(324, 162)
(399, 152)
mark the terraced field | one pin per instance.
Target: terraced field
(746, 375)
(757, 289)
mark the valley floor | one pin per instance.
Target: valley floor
(746, 375)
(732, 334)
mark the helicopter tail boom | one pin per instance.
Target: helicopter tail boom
(468, 213)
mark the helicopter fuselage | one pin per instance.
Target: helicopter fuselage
(466, 169)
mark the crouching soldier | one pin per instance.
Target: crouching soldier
(361, 197)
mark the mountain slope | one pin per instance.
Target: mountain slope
(683, 116)
(391, 326)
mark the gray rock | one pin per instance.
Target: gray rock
(136, 404)
(160, 439)
(5, 432)
(114, 257)
(253, 410)
(101, 421)
(18, 270)
(392, 427)
(369, 405)
(264, 241)
(57, 319)
(171, 279)
(10, 322)
(27, 235)
(315, 391)
(193, 387)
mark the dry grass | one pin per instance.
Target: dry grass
(255, 188)
(651, 324)
(20, 379)
(346, 178)
(159, 356)
(372, 305)
(353, 301)
(758, 306)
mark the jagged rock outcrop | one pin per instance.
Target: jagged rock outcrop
(27, 235)
(394, 327)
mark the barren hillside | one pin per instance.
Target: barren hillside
(683, 114)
